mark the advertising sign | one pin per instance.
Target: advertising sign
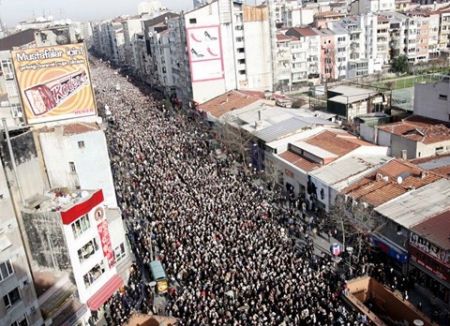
(54, 82)
(105, 240)
(205, 53)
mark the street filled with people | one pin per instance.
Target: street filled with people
(235, 251)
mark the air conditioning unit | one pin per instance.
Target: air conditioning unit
(9, 76)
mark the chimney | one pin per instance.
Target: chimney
(404, 154)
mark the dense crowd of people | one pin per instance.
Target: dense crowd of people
(236, 252)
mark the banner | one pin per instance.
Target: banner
(54, 82)
(105, 240)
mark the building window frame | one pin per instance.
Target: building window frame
(6, 270)
(12, 298)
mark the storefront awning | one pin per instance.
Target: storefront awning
(105, 292)
(389, 248)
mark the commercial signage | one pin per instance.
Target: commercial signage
(205, 53)
(54, 82)
(105, 240)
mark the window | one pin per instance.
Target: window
(120, 252)
(21, 322)
(94, 274)
(242, 72)
(87, 250)
(11, 298)
(80, 145)
(72, 167)
(192, 20)
(6, 270)
(80, 226)
(439, 149)
(443, 97)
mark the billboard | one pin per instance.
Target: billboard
(54, 82)
(205, 53)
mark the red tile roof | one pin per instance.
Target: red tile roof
(436, 230)
(299, 161)
(383, 185)
(336, 142)
(419, 129)
(230, 101)
(73, 128)
(302, 31)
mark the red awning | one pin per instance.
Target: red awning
(105, 292)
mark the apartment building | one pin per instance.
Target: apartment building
(444, 28)
(19, 305)
(306, 54)
(228, 47)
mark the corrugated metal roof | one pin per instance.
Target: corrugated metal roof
(289, 126)
(436, 163)
(341, 172)
(436, 230)
(281, 129)
(416, 206)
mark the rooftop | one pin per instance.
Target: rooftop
(341, 172)
(436, 230)
(419, 129)
(336, 142)
(230, 101)
(437, 164)
(17, 39)
(351, 91)
(72, 128)
(388, 182)
(301, 31)
(290, 126)
(57, 200)
(416, 206)
(299, 161)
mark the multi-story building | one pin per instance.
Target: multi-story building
(365, 6)
(19, 305)
(10, 106)
(444, 28)
(306, 54)
(72, 252)
(131, 27)
(383, 39)
(228, 47)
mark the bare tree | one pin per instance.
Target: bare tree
(353, 219)
(234, 138)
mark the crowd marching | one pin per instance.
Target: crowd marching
(229, 244)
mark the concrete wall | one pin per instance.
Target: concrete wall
(92, 162)
(15, 253)
(398, 144)
(31, 178)
(47, 241)
(384, 138)
(367, 133)
(427, 102)
(258, 55)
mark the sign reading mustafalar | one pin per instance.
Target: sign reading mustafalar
(54, 82)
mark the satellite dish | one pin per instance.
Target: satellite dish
(399, 180)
